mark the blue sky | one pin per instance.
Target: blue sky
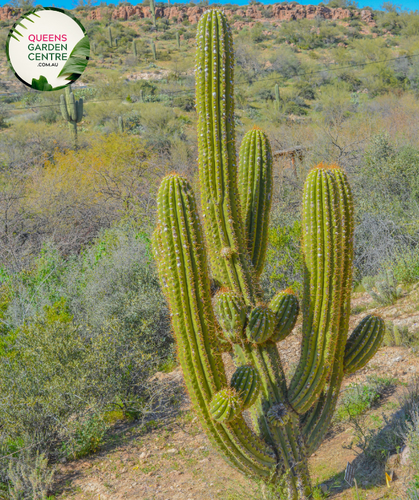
(375, 4)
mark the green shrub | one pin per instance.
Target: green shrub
(87, 437)
(398, 336)
(30, 478)
(383, 288)
(359, 398)
(284, 264)
(405, 266)
(84, 336)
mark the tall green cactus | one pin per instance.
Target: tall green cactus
(153, 12)
(121, 126)
(289, 418)
(110, 36)
(72, 111)
(277, 96)
(134, 48)
(153, 50)
(178, 39)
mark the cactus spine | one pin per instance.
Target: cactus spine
(72, 111)
(289, 420)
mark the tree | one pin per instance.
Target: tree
(391, 7)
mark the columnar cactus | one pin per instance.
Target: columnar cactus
(110, 36)
(289, 418)
(121, 126)
(277, 96)
(178, 39)
(153, 50)
(72, 111)
(134, 48)
(153, 12)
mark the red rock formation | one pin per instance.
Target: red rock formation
(368, 17)
(9, 13)
(279, 12)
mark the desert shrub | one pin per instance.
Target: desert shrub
(398, 336)
(405, 265)
(161, 126)
(84, 336)
(378, 442)
(284, 264)
(359, 398)
(186, 103)
(384, 288)
(256, 33)
(386, 189)
(30, 477)
(4, 114)
(285, 62)
(113, 280)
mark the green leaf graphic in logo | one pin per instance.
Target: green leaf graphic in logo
(41, 84)
(77, 61)
(14, 30)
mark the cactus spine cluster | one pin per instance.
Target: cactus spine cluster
(72, 111)
(289, 419)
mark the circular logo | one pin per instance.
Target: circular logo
(47, 49)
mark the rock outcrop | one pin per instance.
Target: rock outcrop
(275, 12)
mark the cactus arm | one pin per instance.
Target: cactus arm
(72, 109)
(327, 244)
(363, 343)
(182, 261)
(318, 420)
(217, 159)
(286, 308)
(255, 193)
(360, 348)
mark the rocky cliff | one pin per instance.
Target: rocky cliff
(275, 12)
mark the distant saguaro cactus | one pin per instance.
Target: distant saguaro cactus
(110, 36)
(153, 50)
(178, 39)
(289, 420)
(121, 124)
(153, 12)
(72, 111)
(277, 96)
(134, 48)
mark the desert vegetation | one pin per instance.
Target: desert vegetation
(84, 323)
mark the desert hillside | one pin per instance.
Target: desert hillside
(93, 402)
